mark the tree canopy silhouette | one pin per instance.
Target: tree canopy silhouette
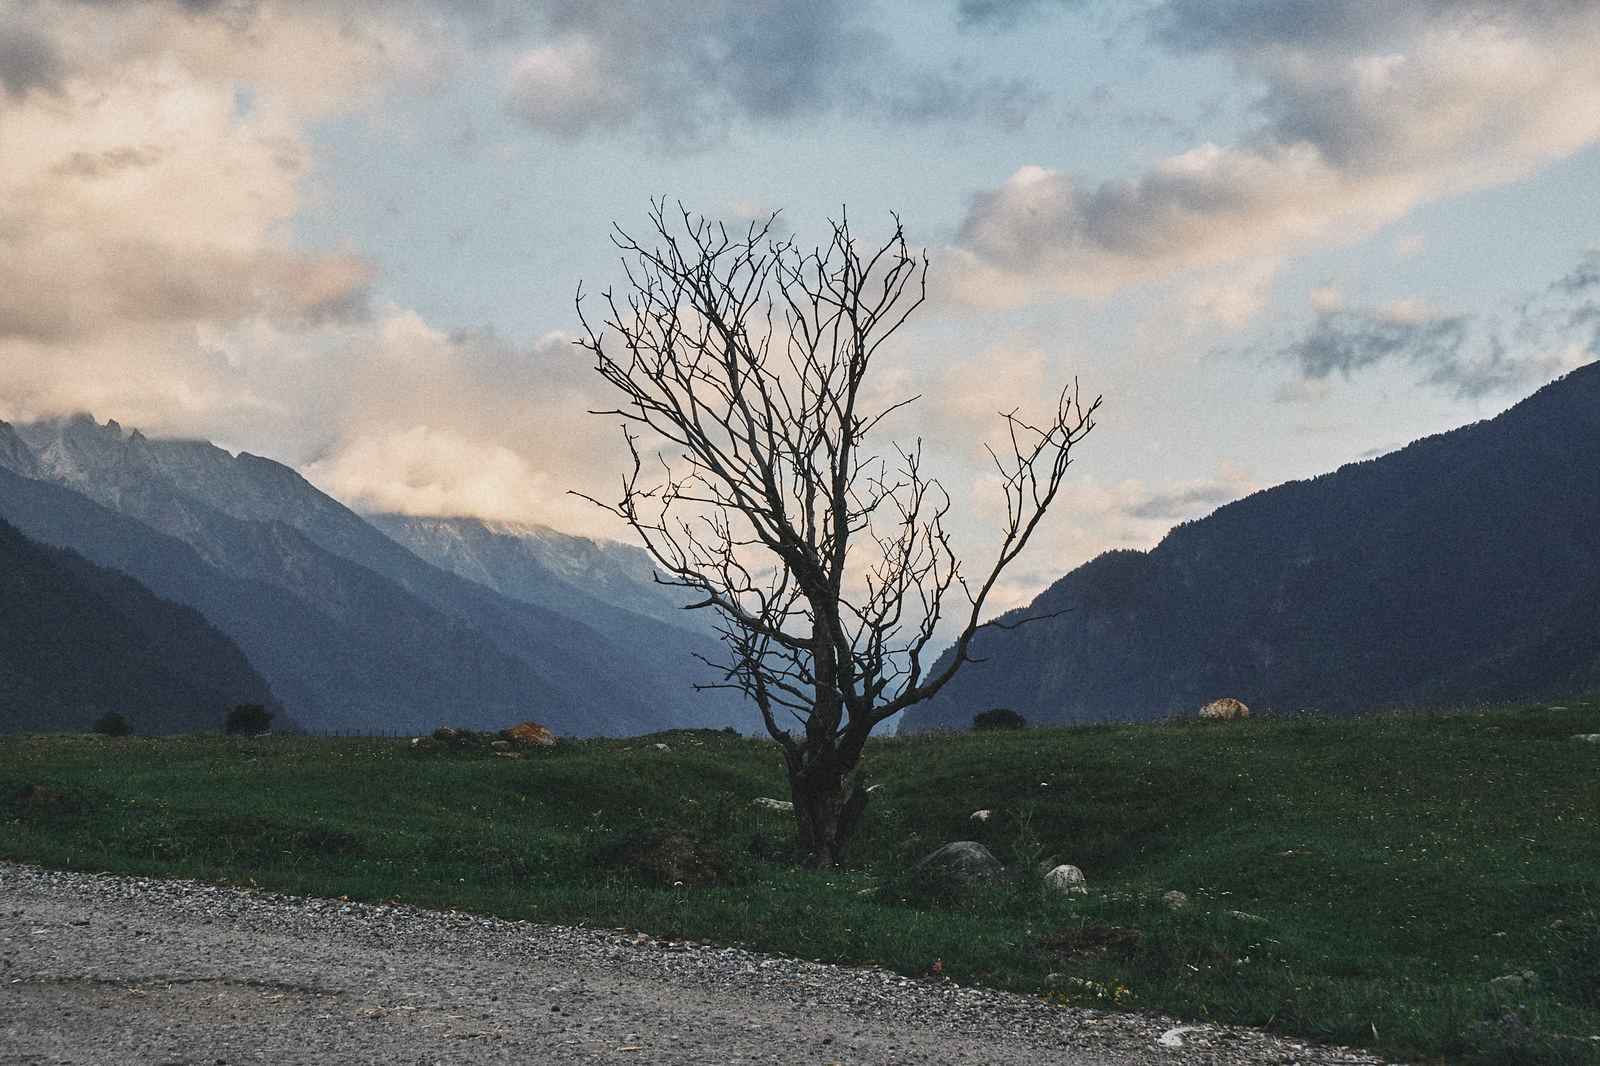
(743, 361)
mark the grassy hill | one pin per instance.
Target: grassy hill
(1359, 882)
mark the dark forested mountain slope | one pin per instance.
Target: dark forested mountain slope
(78, 640)
(1464, 566)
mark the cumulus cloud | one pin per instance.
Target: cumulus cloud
(435, 423)
(1370, 110)
(156, 154)
(684, 70)
(138, 190)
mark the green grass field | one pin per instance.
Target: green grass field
(1352, 881)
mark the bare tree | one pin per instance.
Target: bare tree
(742, 361)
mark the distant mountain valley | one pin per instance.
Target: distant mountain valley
(352, 629)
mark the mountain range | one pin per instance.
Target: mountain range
(353, 630)
(172, 580)
(1462, 568)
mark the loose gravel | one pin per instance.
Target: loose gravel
(103, 969)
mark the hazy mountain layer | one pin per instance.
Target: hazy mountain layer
(1465, 566)
(574, 576)
(78, 640)
(353, 630)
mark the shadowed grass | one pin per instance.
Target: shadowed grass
(1349, 881)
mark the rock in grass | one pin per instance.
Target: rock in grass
(1068, 880)
(964, 858)
(530, 733)
(1515, 982)
(770, 804)
(1225, 708)
(1175, 900)
(982, 816)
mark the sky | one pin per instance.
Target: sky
(1276, 236)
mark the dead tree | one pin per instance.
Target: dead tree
(742, 362)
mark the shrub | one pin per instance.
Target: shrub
(248, 719)
(112, 724)
(998, 719)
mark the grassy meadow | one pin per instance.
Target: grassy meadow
(1350, 881)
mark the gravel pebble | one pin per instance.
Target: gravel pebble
(100, 969)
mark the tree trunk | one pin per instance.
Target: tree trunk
(828, 803)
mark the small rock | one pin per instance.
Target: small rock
(1174, 1037)
(964, 858)
(1224, 708)
(1588, 738)
(982, 816)
(771, 804)
(1068, 880)
(1243, 917)
(529, 733)
(1514, 981)
(661, 747)
(1175, 900)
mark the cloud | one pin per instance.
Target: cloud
(1583, 277)
(155, 156)
(1348, 26)
(423, 422)
(427, 471)
(683, 71)
(152, 183)
(1464, 355)
(569, 87)
(1092, 517)
(1195, 499)
(1003, 14)
(681, 65)
(1369, 111)
(28, 61)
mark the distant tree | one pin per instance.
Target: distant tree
(112, 724)
(248, 719)
(742, 363)
(1000, 718)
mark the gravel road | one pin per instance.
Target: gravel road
(127, 970)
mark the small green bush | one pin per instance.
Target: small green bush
(112, 724)
(998, 719)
